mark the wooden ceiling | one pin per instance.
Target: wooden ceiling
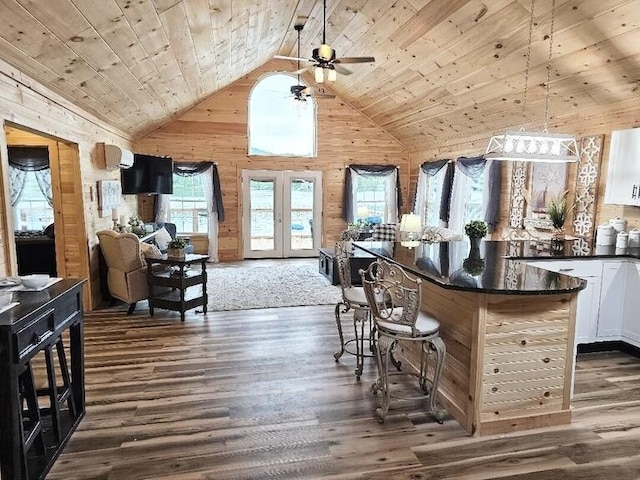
(444, 69)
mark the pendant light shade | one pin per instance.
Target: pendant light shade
(319, 75)
(534, 146)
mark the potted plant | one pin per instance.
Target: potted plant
(475, 230)
(557, 210)
(175, 248)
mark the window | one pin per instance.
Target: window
(188, 207)
(32, 210)
(374, 194)
(278, 123)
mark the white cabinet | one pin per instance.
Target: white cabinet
(612, 297)
(631, 320)
(588, 299)
(623, 178)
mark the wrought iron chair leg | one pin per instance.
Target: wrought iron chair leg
(384, 408)
(339, 353)
(441, 351)
(359, 318)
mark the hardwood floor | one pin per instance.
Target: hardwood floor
(256, 394)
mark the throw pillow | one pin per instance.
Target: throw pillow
(384, 232)
(149, 250)
(162, 238)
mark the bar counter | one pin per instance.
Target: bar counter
(508, 328)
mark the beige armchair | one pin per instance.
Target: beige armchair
(127, 274)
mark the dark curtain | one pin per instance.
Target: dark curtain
(472, 166)
(492, 215)
(445, 199)
(29, 159)
(373, 170)
(196, 168)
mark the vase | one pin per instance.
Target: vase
(475, 244)
(558, 234)
(175, 253)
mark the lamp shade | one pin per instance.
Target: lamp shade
(319, 75)
(410, 227)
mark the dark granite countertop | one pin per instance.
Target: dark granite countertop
(491, 268)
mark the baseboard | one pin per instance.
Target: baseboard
(608, 347)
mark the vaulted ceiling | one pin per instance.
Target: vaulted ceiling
(444, 68)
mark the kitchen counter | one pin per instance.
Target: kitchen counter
(453, 265)
(508, 327)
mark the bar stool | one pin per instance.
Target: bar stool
(399, 319)
(58, 394)
(31, 432)
(353, 298)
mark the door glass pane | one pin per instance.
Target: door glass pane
(262, 195)
(301, 191)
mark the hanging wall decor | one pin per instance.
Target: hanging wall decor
(586, 188)
(109, 193)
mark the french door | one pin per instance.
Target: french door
(281, 213)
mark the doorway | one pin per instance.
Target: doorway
(281, 213)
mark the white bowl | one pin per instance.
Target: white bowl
(5, 298)
(37, 280)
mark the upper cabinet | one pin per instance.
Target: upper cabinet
(623, 179)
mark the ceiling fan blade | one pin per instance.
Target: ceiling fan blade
(355, 60)
(317, 92)
(302, 70)
(341, 70)
(283, 57)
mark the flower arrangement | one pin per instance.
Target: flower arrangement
(177, 243)
(476, 229)
(136, 225)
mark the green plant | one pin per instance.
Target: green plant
(177, 243)
(557, 210)
(476, 229)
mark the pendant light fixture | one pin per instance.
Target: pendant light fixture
(542, 146)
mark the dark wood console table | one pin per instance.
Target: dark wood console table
(36, 325)
(179, 277)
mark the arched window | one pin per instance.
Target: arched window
(279, 124)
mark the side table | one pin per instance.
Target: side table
(179, 277)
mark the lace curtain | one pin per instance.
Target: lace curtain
(29, 159)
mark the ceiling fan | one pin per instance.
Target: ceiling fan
(301, 92)
(324, 57)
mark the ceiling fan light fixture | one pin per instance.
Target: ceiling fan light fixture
(331, 75)
(325, 52)
(319, 75)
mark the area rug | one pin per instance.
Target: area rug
(245, 287)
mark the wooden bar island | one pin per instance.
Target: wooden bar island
(508, 329)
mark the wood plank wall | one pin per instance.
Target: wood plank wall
(217, 130)
(594, 122)
(25, 105)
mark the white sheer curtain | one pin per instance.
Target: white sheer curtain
(163, 202)
(420, 204)
(207, 182)
(468, 194)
